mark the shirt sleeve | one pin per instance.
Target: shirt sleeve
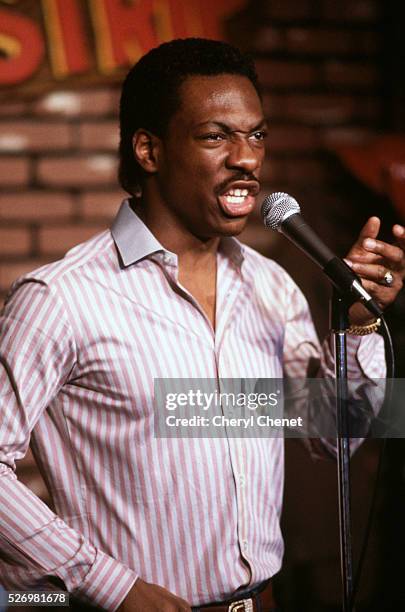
(37, 354)
(305, 357)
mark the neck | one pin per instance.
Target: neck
(192, 251)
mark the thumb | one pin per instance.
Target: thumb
(370, 229)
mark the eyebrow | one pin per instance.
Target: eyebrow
(226, 128)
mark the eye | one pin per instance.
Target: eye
(214, 137)
(260, 135)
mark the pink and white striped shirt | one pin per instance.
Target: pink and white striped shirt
(82, 340)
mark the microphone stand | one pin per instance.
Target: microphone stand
(339, 323)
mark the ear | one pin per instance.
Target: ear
(146, 148)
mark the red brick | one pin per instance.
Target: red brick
(13, 109)
(291, 9)
(35, 206)
(347, 10)
(274, 106)
(115, 95)
(395, 186)
(337, 42)
(15, 241)
(101, 136)
(57, 240)
(358, 74)
(284, 139)
(72, 104)
(104, 205)
(258, 237)
(317, 109)
(307, 171)
(368, 108)
(269, 39)
(369, 43)
(78, 171)
(272, 170)
(345, 135)
(10, 271)
(320, 109)
(286, 74)
(34, 136)
(14, 171)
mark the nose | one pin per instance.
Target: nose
(244, 156)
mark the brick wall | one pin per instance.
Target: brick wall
(58, 176)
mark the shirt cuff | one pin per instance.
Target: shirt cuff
(107, 583)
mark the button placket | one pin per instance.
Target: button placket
(241, 493)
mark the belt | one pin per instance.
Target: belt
(259, 599)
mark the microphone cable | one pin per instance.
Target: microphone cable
(390, 359)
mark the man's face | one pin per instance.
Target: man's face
(211, 156)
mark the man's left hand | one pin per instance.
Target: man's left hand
(376, 262)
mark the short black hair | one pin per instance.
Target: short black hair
(150, 97)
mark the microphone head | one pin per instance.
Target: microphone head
(277, 207)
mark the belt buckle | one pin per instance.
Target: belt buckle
(243, 605)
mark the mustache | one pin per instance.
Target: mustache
(245, 176)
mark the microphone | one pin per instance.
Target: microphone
(282, 213)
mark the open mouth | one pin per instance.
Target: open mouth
(238, 201)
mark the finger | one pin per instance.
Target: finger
(375, 273)
(364, 257)
(370, 228)
(399, 235)
(379, 293)
(382, 294)
(398, 231)
(371, 286)
(390, 252)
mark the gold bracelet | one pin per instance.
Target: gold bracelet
(364, 330)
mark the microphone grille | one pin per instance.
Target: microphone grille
(275, 208)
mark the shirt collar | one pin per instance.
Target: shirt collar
(135, 241)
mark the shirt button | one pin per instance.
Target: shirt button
(242, 480)
(245, 545)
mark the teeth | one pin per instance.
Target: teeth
(236, 196)
(238, 193)
(235, 199)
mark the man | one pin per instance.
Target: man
(144, 523)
